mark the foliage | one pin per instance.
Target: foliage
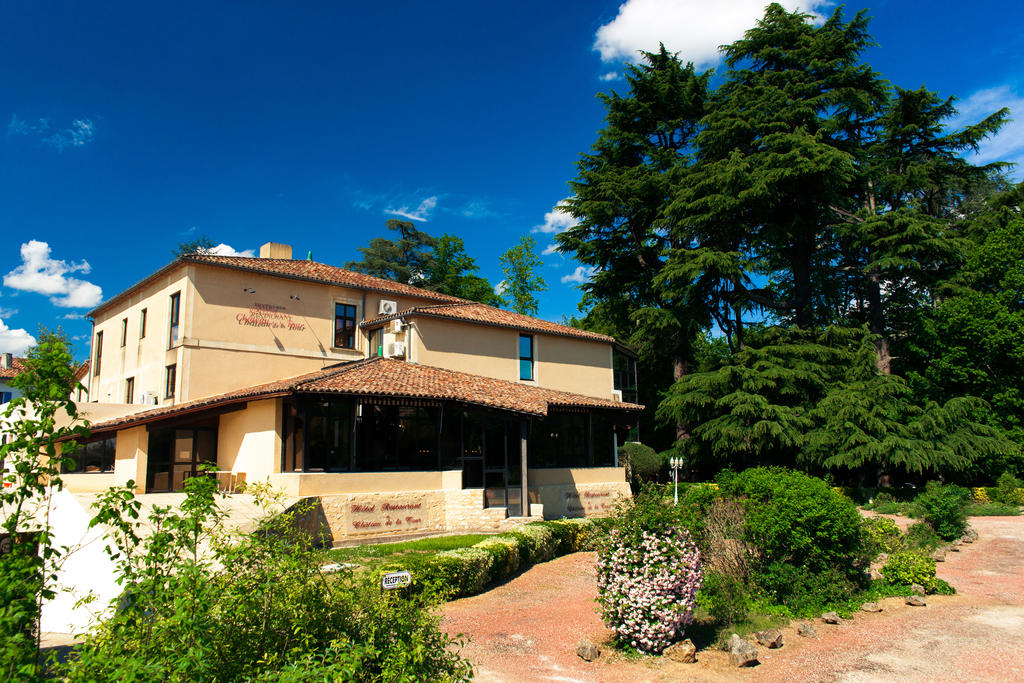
(921, 537)
(944, 507)
(825, 227)
(519, 265)
(980, 495)
(881, 536)
(809, 538)
(1009, 490)
(201, 603)
(200, 245)
(648, 575)
(908, 568)
(407, 259)
(992, 510)
(642, 463)
(31, 472)
(454, 272)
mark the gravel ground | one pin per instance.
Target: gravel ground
(527, 629)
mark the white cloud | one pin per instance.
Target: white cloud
(693, 28)
(1008, 145)
(580, 275)
(610, 76)
(550, 249)
(420, 213)
(477, 208)
(15, 341)
(72, 316)
(227, 250)
(43, 275)
(80, 133)
(7, 312)
(556, 221)
(499, 289)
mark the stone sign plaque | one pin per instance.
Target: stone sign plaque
(586, 503)
(387, 516)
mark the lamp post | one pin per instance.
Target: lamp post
(675, 464)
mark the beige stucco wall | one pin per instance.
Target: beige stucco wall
(249, 441)
(322, 484)
(146, 358)
(577, 365)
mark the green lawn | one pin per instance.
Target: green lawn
(370, 556)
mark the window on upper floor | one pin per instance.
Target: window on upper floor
(344, 326)
(142, 324)
(624, 376)
(170, 380)
(129, 390)
(99, 355)
(5, 397)
(175, 312)
(525, 357)
(124, 332)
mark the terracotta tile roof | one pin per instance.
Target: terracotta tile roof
(83, 371)
(318, 272)
(386, 377)
(17, 366)
(471, 311)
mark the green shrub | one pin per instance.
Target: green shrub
(538, 542)
(575, 535)
(641, 462)
(888, 508)
(906, 568)
(726, 599)
(992, 510)
(504, 557)
(694, 505)
(1008, 490)
(465, 570)
(945, 508)
(882, 535)
(809, 537)
(921, 537)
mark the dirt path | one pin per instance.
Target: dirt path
(527, 629)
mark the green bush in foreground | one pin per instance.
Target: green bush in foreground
(1008, 490)
(882, 535)
(921, 537)
(908, 568)
(809, 537)
(945, 508)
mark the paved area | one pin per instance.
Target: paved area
(527, 629)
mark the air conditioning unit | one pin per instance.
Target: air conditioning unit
(617, 395)
(396, 350)
(385, 307)
(397, 325)
(149, 398)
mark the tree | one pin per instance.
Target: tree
(201, 245)
(31, 472)
(519, 265)
(454, 272)
(408, 259)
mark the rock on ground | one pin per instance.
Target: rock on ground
(588, 650)
(916, 601)
(871, 607)
(771, 638)
(741, 653)
(684, 651)
(831, 618)
(917, 588)
(807, 631)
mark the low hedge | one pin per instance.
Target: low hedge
(458, 573)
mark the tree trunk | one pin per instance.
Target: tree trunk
(876, 323)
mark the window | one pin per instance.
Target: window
(172, 376)
(124, 332)
(5, 397)
(99, 354)
(94, 456)
(175, 310)
(129, 390)
(142, 324)
(344, 326)
(624, 376)
(525, 357)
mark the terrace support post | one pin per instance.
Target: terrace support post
(525, 495)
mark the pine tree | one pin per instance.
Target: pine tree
(407, 259)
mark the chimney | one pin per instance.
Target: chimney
(275, 250)
(6, 361)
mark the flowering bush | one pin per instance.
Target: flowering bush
(647, 590)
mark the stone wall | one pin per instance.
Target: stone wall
(578, 500)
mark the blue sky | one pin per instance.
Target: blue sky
(126, 128)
